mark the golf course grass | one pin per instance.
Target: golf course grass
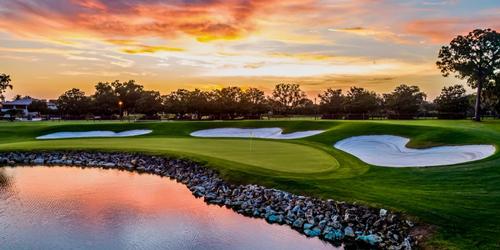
(462, 201)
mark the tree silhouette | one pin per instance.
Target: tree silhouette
(404, 101)
(452, 102)
(73, 103)
(287, 97)
(475, 57)
(4, 85)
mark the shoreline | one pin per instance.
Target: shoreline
(332, 221)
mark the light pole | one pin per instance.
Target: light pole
(120, 105)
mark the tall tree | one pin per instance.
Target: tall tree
(332, 101)
(475, 57)
(286, 97)
(254, 101)
(128, 93)
(361, 102)
(149, 103)
(404, 101)
(105, 100)
(227, 101)
(453, 102)
(176, 102)
(73, 103)
(4, 85)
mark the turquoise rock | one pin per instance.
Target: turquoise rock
(274, 218)
(334, 235)
(313, 232)
(308, 225)
(371, 239)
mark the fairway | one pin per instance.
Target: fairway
(462, 201)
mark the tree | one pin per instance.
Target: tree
(360, 103)
(332, 102)
(39, 106)
(227, 101)
(254, 101)
(128, 93)
(73, 103)
(286, 97)
(453, 102)
(475, 57)
(105, 100)
(176, 102)
(4, 85)
(149, 103)
(404, 101)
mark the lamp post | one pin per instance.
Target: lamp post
(120, 105)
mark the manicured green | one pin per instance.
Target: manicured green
(463, 200)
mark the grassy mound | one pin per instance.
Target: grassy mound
(462, 200)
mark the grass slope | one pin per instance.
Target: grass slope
(462, 200)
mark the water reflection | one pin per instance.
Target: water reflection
(62, 207)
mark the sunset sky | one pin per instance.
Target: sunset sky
(49, 46)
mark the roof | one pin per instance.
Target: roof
(21, 102)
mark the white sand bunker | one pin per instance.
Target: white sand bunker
(87, 134)
(391, 151)
(265, 133)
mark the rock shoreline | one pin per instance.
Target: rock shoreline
(332, 221)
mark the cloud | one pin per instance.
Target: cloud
(377, 34)
(204, 20)
(442, 30)
(140, 49)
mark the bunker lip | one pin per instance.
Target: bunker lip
(96, 133)
(391, 151)
(262, 133)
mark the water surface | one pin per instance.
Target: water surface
(64, 207)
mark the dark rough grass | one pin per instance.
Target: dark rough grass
(463, 200)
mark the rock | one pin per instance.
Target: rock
(39, 161)
(314, 232)
(109, 165)
(334, 235)
(348, 231)
(308, 225)
(383, 212)
(275, 218)
(298, 223)
(371, 239)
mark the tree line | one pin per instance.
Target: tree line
(117, 99)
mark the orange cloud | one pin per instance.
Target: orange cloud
(444, 29)
(205, 20)
(151, 49)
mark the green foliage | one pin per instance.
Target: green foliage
(453, 100)
(361, 101)
(475, 57)
(404, 100)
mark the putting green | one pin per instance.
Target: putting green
(271, 155)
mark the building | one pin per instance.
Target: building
(21, 105)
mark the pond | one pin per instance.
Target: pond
(66, 207)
